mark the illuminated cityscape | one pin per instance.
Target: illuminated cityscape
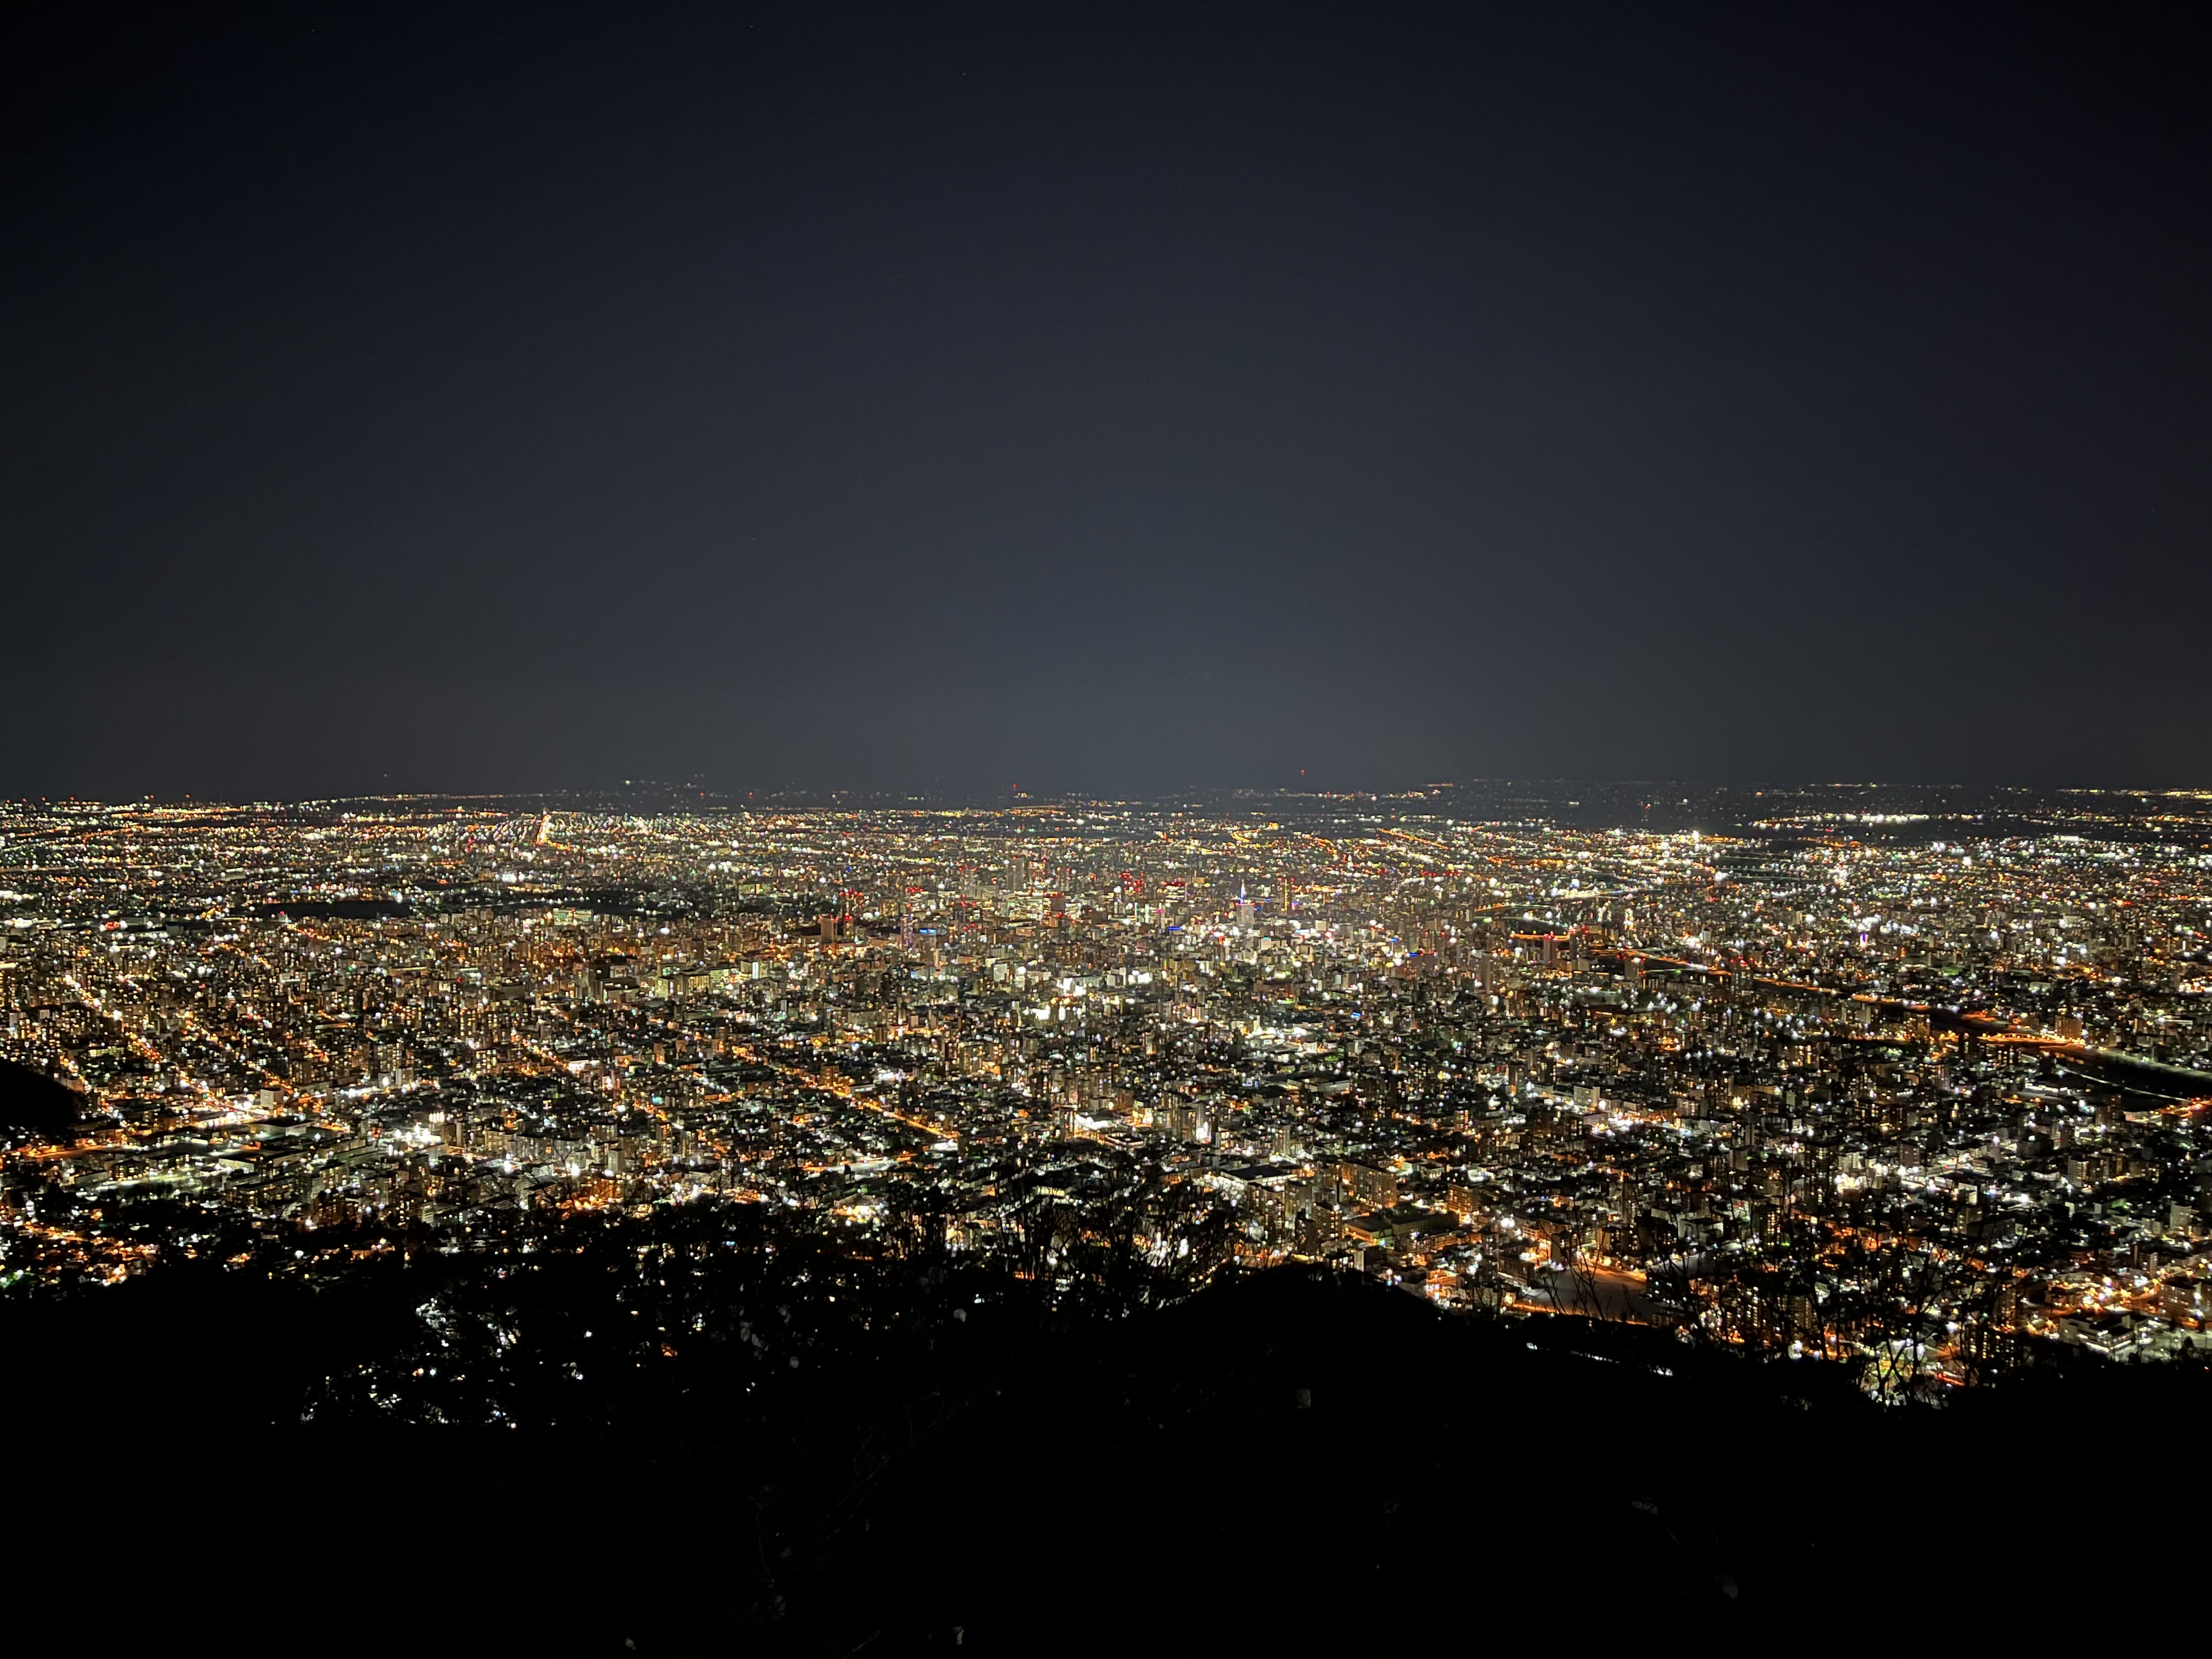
(871, 830)
(1915, 1087)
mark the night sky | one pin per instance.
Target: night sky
(1092, 398)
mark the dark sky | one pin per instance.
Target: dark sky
(1099, 399)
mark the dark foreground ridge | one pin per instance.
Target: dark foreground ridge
(32, 1105)
(783, 1455)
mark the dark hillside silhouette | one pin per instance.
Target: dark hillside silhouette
(814, 1453)
(34, 1105)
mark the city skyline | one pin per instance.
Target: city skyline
(1380, 1032)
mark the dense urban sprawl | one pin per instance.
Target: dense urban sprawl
(1923, 1090)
